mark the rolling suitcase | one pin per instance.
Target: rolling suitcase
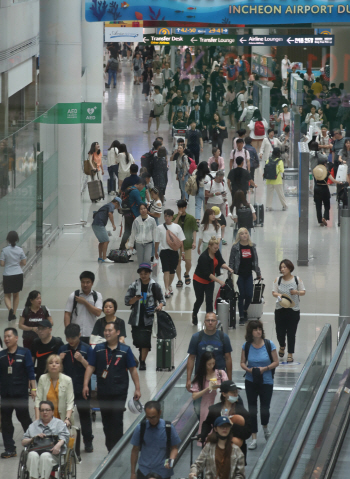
(228, 294)
(258, 291)
(96, 189)
(259, 211)
(111, 185)
(255, 310)
(165, 354)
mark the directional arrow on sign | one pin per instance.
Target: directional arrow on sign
(194, 40)
(145, 39)
(242, 40)
(289, 40)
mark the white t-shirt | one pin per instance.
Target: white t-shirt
(234, 212)
(158, 99)
(160, 236)
(81, 315)
(213, 187)
(285, 118)
(240, 98)
(235, 154)
(205, 235)
(285, 287)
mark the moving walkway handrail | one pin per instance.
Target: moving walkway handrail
(294, 454)
(325, 335)
(125, 440)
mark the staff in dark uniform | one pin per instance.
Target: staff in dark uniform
(16, 369)
(321, 191)
(111, 362)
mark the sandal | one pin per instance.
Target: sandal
(290, 358)
(179, 284)
(187, 279)
(281, 352)
(198, 222)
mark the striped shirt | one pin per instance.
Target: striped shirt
(285, 287)
(156, 207)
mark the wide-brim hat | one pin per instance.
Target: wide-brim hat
(286, 301)
(320, 172)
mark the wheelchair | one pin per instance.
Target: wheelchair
(67, 462)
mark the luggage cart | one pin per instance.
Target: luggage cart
(181, 133)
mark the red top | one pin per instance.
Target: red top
(205, 281)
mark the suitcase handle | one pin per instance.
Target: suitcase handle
(259, 280)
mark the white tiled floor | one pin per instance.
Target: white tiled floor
(56, 275)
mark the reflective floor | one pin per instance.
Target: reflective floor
(56, 275)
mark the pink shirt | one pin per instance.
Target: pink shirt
(220, 162)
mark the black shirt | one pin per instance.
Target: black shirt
(40, 352)
(246, 262)
(101, 324)
(193, 137)
(239, 178)
(144, 289)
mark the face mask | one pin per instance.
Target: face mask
(232, 399)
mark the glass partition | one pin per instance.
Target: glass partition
(285, 433)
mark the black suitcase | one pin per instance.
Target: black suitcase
(228, 294)
(165, 354)
(111, 185)
(259, 211)
(258, 291)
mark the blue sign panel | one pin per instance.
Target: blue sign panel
(285, 40)
(239, 12)
(193, 31)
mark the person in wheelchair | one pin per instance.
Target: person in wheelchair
(41, 465)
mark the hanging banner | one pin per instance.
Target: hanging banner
(123, 34)
(190, 40)
(193, 31)
(285, 40)
(259, 12)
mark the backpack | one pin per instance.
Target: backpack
(147, 161)
(268, 349)
(295, 279)
(172, 240)
(192, 167)
(118, 256)
(231, 70)
(168, 435)
(126, 207)
(113, 64)
(26, 311)
(245, 217)
(77, 293)
(259, 129)
(270, 169)
(166, 326)
(191, 187)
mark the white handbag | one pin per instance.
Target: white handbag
(342, 173)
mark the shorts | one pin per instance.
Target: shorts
(169, 260)
(152, 115)
(141, 336)
(188, 254)
(13, 283)
(100, 233)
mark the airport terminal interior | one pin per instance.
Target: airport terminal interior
(60, 94)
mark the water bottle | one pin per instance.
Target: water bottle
(225, 412)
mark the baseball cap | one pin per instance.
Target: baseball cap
(45, 323)
(284, 104)
(217, 211)
(118, 199)
(145, 266)
(227, 386)
(221, 420)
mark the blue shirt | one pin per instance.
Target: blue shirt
(101, 217)
(73, 368)
(135, 201)
(153, 452)
(213, 344)
(259, 358)
(16, 384)
(12, 255)
(131, 180)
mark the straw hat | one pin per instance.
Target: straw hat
(286, 301)
(320, 172)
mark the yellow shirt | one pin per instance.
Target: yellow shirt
(52, 396)
(279, 171)
(316, 87)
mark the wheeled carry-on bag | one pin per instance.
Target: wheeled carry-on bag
(96, 189)
(255, 310)
(165, 354)
(259, 211)
(227, 293)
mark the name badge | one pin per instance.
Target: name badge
(18, 360)
(9, 370)
(104, 374)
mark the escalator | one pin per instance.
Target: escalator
(289, 408)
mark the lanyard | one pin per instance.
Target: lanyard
(71, 355)
(108, 362)
(11, 361)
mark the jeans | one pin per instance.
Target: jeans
(200, 289)
(253, 391)
(112, 74)
(8, 405)
(199, 201)
(144, 252)
(128, 225)
(245, 287)
(182, 183)
(287, 320)
(83, 407)
(112, 411)
(113, 171)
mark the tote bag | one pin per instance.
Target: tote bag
(342, 173)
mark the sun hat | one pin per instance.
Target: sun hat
(217, 211)
(146, 266)
(320, 172)
(286, 301)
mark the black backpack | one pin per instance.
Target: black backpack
(268, 349)
(113, 64)
(147, 161)
(245, 217)
(270, 169)
(166, 326)
(77, 293)
(168, 436)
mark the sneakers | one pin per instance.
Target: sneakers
(241, 321)
(252, 445)
(245, 315)
(147, 131)
(112, 193)
(100, 260)
(156, 131)
(89, 447)
(224, 242)
(171, 290)
(167, 294)
(142, 366)
(8, 454)
(108, 261)
(267, 433)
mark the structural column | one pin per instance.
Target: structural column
(258, 49)
(60, 82)
(340, 57)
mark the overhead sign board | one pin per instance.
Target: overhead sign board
(193, 31)
(277, 40)
(189, 39)
(245, 12)
(123, 34)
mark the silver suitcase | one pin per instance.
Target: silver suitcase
(255, 310)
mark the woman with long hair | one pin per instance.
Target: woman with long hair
(56, 387)
(219, 131)
(220, 458)
(95, 159)
(243, 261)
(257, 136)
(204, 385)
(33, 313)
(12, 257)
(113, 151)
(206, 275)
(124, 160)
(216, 158)
(238, 201)
(259, 359)
(201, 172)
(182, 166)
(209, 227)
(109, 309)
